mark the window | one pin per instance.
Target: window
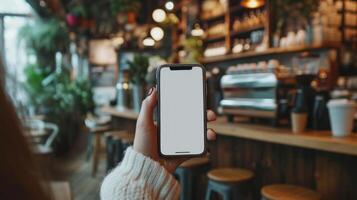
(13, 15)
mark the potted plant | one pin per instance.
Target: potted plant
(138, 68)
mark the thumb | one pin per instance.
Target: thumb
(147, 107)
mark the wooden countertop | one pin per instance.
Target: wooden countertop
(318, 140)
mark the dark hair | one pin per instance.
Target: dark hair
(20, 177)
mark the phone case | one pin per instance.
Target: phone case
(182, 66)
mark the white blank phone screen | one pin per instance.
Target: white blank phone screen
(181, 111)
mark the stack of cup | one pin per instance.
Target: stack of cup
(341, 113)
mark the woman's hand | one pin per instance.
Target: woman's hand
(145, 141)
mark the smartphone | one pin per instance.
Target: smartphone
(181, 116)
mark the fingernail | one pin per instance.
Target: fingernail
(150, 91)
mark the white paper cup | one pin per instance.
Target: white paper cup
(341, 116)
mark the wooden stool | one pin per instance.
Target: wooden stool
(225, 181)
(98, 132)
(186, 173)
(288, 192)
(116, 144)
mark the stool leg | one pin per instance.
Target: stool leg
(110, 152)
(186, 183)
(89, 145)
(208, 192)
(227, 195)
(96, 154)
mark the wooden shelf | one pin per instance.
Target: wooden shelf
(214, 39)
(318, 140)
(268, 52)
(244, 31)
(214, 18)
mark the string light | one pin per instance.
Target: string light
(149, 42)
(169, 5)
(159, 15)
(157, 33)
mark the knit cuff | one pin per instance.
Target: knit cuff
(164, 185)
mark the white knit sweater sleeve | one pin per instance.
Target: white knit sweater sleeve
(139, 177)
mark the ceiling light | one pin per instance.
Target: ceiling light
(197, 31)
(149, 42)
(157, 33)
(159, 15)
(252, 3)
(169, 5)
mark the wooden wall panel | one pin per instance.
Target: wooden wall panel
(333, 175)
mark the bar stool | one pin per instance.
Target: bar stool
(186, 173)
(290, 192)
(116, 144)
(227, 182)
(98, 132)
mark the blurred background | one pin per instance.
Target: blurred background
(77, 71)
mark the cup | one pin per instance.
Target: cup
(341, 113)
(298, 121)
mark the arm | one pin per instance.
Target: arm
(139, 177)
(143, 174)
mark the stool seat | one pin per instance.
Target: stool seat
(230, 175)
(288, 192)
(195, 162)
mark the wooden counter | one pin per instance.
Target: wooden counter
(312, 159)
(318, 140)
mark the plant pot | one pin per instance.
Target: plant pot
(137, 96)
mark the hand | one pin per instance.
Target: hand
(145, 141)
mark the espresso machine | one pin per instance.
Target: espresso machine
(257, 91)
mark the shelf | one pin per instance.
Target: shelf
(245, 31)
(268, 52)
(214, 39)
(318, 140)
(214, 18)
(236, 9)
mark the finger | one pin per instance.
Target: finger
(147, 107)
(211, 116)
(211, 134)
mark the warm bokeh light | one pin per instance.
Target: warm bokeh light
(159, 15)
(169, 5)
(252, 3)
(149, 42)
(157, 33)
